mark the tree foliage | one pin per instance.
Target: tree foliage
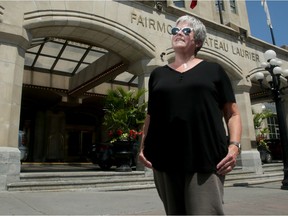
(123, 110)
(261, 132)
(259, 117)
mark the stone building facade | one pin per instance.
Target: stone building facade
(135, 38)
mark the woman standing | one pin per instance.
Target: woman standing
(184, 139)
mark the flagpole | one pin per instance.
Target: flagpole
(272, 35)
(269, 23)
(220, 11)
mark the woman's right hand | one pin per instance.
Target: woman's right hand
(143, 160)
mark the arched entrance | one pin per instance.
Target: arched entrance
(68, 69)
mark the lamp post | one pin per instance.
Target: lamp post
(276, 74)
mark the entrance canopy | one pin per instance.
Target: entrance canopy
(67, 58)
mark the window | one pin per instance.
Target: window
(219, 4)
(179, 3)
(233, 6)
(273, 127)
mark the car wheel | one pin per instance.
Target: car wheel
(105, 166)
(93, 160)
(263, 156)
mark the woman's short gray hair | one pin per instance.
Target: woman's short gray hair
(197, 26)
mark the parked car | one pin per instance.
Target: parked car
(273, 152)
(265, 154)
(275, 148)
(22, 145)
(103, 154)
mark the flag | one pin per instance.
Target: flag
(264, 4)
(193, 4)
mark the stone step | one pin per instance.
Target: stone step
(273, 167)
(77, 179)
(44, 176)
(135, 180)
(71, 184)
(271, 173)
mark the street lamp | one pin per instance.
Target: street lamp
(276, 74)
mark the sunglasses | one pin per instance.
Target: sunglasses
(185, 30)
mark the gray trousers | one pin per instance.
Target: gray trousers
(190, 194)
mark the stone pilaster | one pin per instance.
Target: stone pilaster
(143, 68)
(250, 157)
(9, 166)
(13, 43)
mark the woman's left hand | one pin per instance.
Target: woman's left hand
(229, 162)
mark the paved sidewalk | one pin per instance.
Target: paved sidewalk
(266, 199)
(262, 199)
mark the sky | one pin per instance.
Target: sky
(278, 10)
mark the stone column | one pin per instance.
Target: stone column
(250, 157)
(13, 44)
(145, 69)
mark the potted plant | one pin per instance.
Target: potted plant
(123, 118)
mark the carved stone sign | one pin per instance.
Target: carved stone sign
(211, 42)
